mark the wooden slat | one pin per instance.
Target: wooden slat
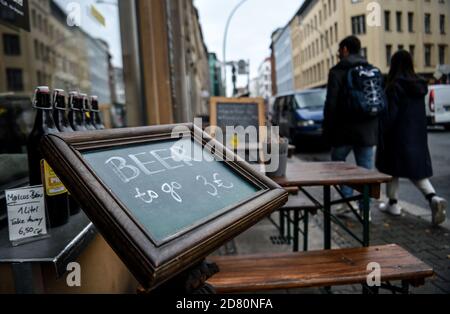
(298, 202)
(328, 173)
(256, 273)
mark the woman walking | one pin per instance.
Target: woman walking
(403, 149)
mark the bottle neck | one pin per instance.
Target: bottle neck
(97, 120)
(44, 121)
(59, 116)
(77, 120)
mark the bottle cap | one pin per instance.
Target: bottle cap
(59, 99)
(75, 102)
(85, 102)
(41, 99)
(94, 104)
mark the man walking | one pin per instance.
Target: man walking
(345, 128)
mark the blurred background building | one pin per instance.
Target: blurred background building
(421, 27)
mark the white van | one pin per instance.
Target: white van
(438, 105)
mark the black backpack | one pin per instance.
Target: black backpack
(366, 96)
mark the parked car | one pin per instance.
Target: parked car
(438, 105)
(300, 114)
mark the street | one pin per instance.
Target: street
(439, 143)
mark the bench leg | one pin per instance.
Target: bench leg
(289, 229)
(327, 217)
(366, 214)
(282, 225)
(305, 230)
(296, 230)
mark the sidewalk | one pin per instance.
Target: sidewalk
(411, 231)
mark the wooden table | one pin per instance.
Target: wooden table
(336, 174)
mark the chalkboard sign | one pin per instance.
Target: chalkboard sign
(237, 112)
(159, 206)
(169, 193)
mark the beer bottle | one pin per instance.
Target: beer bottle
(63, 125)
(87, 113)
(95, 114)
(56, 199)
(76, 117)
(60, 111)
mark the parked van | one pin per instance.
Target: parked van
(438, 105)
(300, 114)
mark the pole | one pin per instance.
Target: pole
(224, 61)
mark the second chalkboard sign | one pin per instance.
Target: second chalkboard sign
(162, 200)
(234, 113)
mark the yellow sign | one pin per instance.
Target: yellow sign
(97, 15)
(235, 141)
(52, 184)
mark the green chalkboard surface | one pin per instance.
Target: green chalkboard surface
(166, 190)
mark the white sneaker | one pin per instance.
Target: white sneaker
(394, 210)
(439, 210)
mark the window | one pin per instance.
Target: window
(428, 55)
(428, 23)
(11, 44)
(442, 23)
(359, 25)
(15, 79)
(442, 51)
(387, 20)
(388, 54)
(412, 51)
(336, 31)
(411, 22)
(399, 19)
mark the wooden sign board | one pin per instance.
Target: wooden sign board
(161, 210)
(235, 112)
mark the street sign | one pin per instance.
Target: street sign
(243, 67)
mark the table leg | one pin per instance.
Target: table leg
(305, 230)
(296, 230)
(327, 217)
(289, 229)
(281, 213)
(366, 213)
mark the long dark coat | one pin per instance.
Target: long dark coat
(403, 148)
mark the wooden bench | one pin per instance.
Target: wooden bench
(296, 210)
(259, 273)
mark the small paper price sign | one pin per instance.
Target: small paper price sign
(26, 214)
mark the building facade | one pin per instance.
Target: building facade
(282, 50)
(188, 61)
(264, 80)
(52, 53)
(215, 73)
(384, 26)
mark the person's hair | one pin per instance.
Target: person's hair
(352, 43)
(402, 65)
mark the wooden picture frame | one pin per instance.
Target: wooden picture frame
(153, 263)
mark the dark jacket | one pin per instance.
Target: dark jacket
(403, 149)
(340, 127)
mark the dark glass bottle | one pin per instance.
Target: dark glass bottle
(95, 114)
(87, 113)
(60, 111)
(56, 198)
(63, 125)
(76, 116)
